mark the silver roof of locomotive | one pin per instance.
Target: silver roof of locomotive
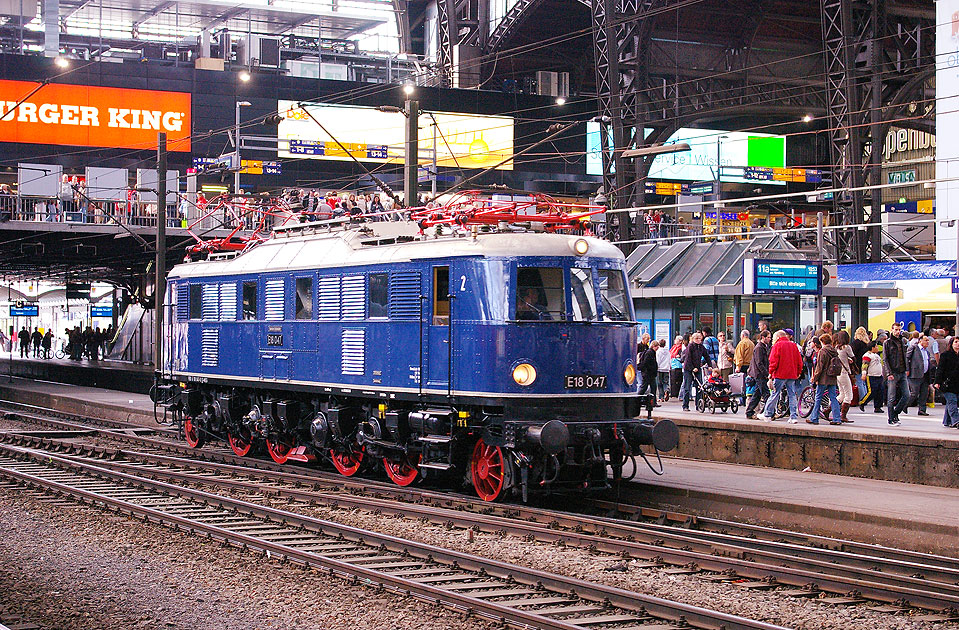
(312, 246)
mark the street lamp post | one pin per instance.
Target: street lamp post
(236, 146)
(412, 160)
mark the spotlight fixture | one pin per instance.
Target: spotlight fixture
(244, 76)
(560, 100)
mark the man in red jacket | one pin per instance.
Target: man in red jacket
(785, 366)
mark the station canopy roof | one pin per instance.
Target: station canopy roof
(166, 20)
(689, 268)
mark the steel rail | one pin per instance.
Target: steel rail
(862, 573)
(642, 605)
(774, 568)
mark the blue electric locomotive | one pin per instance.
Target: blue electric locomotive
(502, 358)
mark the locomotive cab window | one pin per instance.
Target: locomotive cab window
(196, 301)
(540, 294)
(613, 296)
(584, 298)
(249, 300)
(441, 296)
(304, 298)
(378, 295)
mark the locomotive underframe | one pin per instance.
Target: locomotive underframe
(521, 447)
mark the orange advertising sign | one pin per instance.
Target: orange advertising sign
(88, 116)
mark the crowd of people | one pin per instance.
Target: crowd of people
(895, 369)
(78, 343)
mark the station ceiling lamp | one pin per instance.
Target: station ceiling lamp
(62, 62)
(244, 76)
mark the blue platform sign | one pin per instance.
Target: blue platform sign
(29, 310)
(955, 285)
(782, 277)
(101, 311)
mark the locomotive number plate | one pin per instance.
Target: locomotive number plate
(274, 340)
(585, 381)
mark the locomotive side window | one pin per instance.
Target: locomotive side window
(540, 294)
(613, 296)
(304, 298)
(378, 295)
(196, 301)
(584, 298)
(249, 300)
(441, 296)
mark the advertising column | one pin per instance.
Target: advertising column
(947, 126)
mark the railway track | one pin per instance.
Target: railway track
(754, 557)
(496, 591)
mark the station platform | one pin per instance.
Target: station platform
(920, 450)
(869, 510)
(118, 375)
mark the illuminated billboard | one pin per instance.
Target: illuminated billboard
(369, 135)
(734, 150)
(89, 116)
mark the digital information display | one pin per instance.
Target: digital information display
(736, 151)
(370, 135)
(30, 310)
(785, 277)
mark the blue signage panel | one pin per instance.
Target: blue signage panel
(791, 277)
(101, 311)
(30, 310)
(955, 285)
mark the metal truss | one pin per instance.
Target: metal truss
(872, 66)
(461, 23)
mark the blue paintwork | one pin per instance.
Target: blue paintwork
(487, 342)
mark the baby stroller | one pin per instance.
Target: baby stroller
(715, 395)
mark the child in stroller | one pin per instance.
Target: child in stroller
(716, 393)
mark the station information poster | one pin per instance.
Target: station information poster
(83, 115)
(370, 135)
(664, 332)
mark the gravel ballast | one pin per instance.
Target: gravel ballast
(78, 568)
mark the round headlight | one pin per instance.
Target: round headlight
(629, 374)
(581, 246)
(524, 374)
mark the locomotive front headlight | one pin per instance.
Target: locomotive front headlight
(524, 374)
(581, 246)
(629, 374)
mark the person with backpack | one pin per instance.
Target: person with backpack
(759, 374)
(826, 378)
(24, 338)
(46, 342)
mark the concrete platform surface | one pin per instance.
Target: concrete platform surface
(868, 422)
(865, 509)
(119, 375)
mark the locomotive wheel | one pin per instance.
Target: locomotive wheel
(402, 473)
(241, 442)
(348, 463)
(279, 450)
(192, 434)
(488, 470)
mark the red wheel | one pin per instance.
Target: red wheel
(279, 450)
(349, 462)
(192, 434)
(488, 470)
(402, 473)
(241, 443)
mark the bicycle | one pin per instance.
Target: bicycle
(807, 399)
(61, 351)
